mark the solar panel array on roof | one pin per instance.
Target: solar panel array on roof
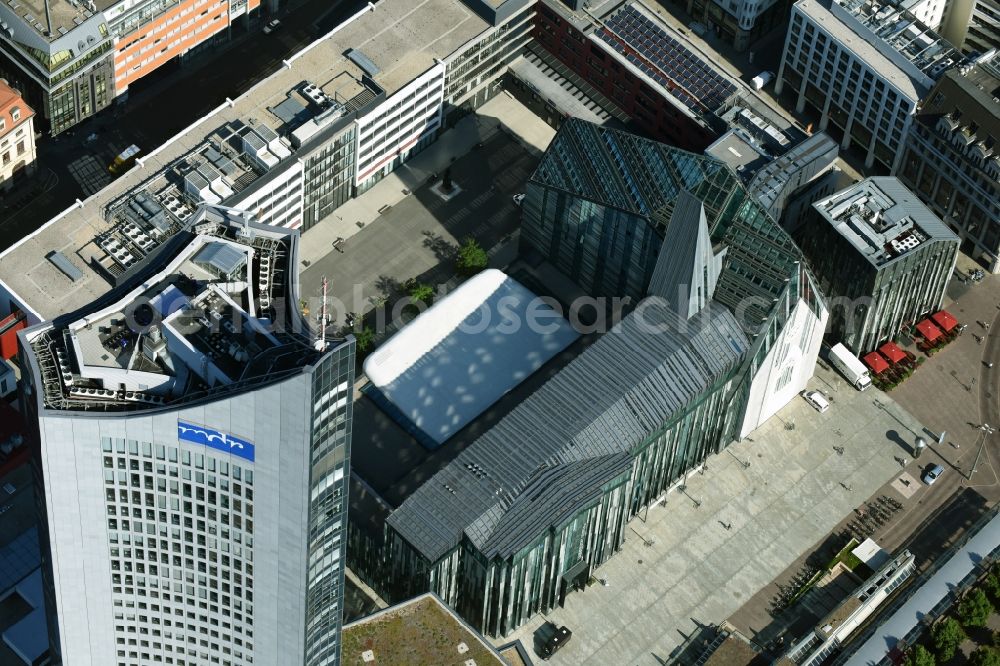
(665, 60)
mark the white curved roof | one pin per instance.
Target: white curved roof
(464, 353)
(427, 331)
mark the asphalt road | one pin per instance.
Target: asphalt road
(165, 102)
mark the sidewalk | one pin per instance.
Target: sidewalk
(501, 112)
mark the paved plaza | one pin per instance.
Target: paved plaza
(402, 229)
(417, 237)
(706, 561)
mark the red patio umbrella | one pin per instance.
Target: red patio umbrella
(929, 330)
(892, 352)
(944, 320)
(875, 361)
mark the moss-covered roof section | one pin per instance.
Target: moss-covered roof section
(420, 631)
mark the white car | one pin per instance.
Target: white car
(817, 400)
(272, 26)
(518, 198)
(931, 475)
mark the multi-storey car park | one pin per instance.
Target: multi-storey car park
(193, 436)
(74, 57)
(951, 159)
(508, 515)
(863, 68)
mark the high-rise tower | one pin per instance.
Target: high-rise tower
(194, 439)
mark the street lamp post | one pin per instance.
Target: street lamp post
(987, 430)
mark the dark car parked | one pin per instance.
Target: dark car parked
(556, 642)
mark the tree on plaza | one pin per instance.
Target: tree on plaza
(472, 258)
(985, 656)
(919, 656)
(421, 291)
(992, 583)
(947, 635)
(365, 338)
(974, 609)
(446, 184)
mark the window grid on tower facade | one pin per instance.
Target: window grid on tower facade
(180, 539)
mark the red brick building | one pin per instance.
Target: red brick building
(629, 74)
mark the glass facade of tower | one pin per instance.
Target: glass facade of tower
(331, 453)
(180, 529)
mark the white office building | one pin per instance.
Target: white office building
(403, 124)
(863, 69)
(194, 439)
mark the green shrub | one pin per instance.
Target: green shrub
(985, 656)
(365, 338)
(919, 656)
(975, 609)
(947, 635)
(421, 291)
(472, 258)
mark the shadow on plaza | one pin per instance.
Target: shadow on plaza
(693, 646)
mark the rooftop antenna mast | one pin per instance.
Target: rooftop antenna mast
(321, 341)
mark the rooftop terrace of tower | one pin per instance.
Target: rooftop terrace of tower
(221, 311)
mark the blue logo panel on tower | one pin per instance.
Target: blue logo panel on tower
(215, 439)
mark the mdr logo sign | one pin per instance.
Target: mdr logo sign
(215, 439)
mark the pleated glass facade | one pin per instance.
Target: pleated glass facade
(596, 205)
(497, 596)
(624, 421)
